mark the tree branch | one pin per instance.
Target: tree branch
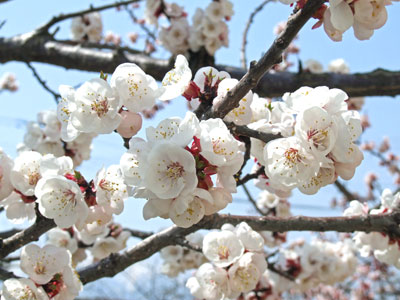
(26, 236)
(63, 17)
(270, 58)
(349, 196)
(115, 263)
(4, 274)
(43, 48)
(43, 83)
(246, 31)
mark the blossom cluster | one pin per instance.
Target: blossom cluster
(44, 136)
(384, 247)
(8, 82)
(51, 275)
(306, 265)
(87, 27)
(273, 205)
(237, 263)
(174, 177)
(321, 147)
(208, 29)
(84, 208)
(364, 16)
(178, 259)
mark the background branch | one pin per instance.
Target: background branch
(246, 31)
(43, 48)
(115, 263)
(43, 83)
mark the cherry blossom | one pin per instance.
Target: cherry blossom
(41, 264)
(136, 89)
(62, 200)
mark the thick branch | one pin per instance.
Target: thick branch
(26, 236)
(270, 58)
(115, 263)
(42, 48)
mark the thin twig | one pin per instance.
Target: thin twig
(251, 176)
(246, 131)
(43, 83)
(252, 201)
(63, 17)
(269, 59)
(135, 20)
(246, 31)
(349, 196)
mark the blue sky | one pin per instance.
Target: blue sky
(18, 108)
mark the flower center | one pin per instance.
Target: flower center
(40, 269)
(175, 170)
(33, 178)
(292, 156)
(223, 252)
(100, 106)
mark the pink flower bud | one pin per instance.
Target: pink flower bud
(130, 125)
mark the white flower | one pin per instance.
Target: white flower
(333, 33)
(71, 284)
(355, 209)
(245, 273)
(223, 248)
(331, 100)
(317, 130)
(260, 109)
(62, 200)
(87, 27)
(339, 66)
(189, 209)
(134, 162)
(341, 15)
(252, 240)
(97, 107)
(218, 145)
(62, 239)
(288, 163)
(170, 171)
(210, 283)
(240, 115)
(174, 130)
(177, 79)
(221, 198)
(314, 66)
(326, 175)
(6, 164)
(64, 109)
(175, 37)
(51, 126)
(137, 90)
(26, 172)
(111, 190)
(105, 246)
(22, 288)
(18, 211)
(41, 264)
(51, 165)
